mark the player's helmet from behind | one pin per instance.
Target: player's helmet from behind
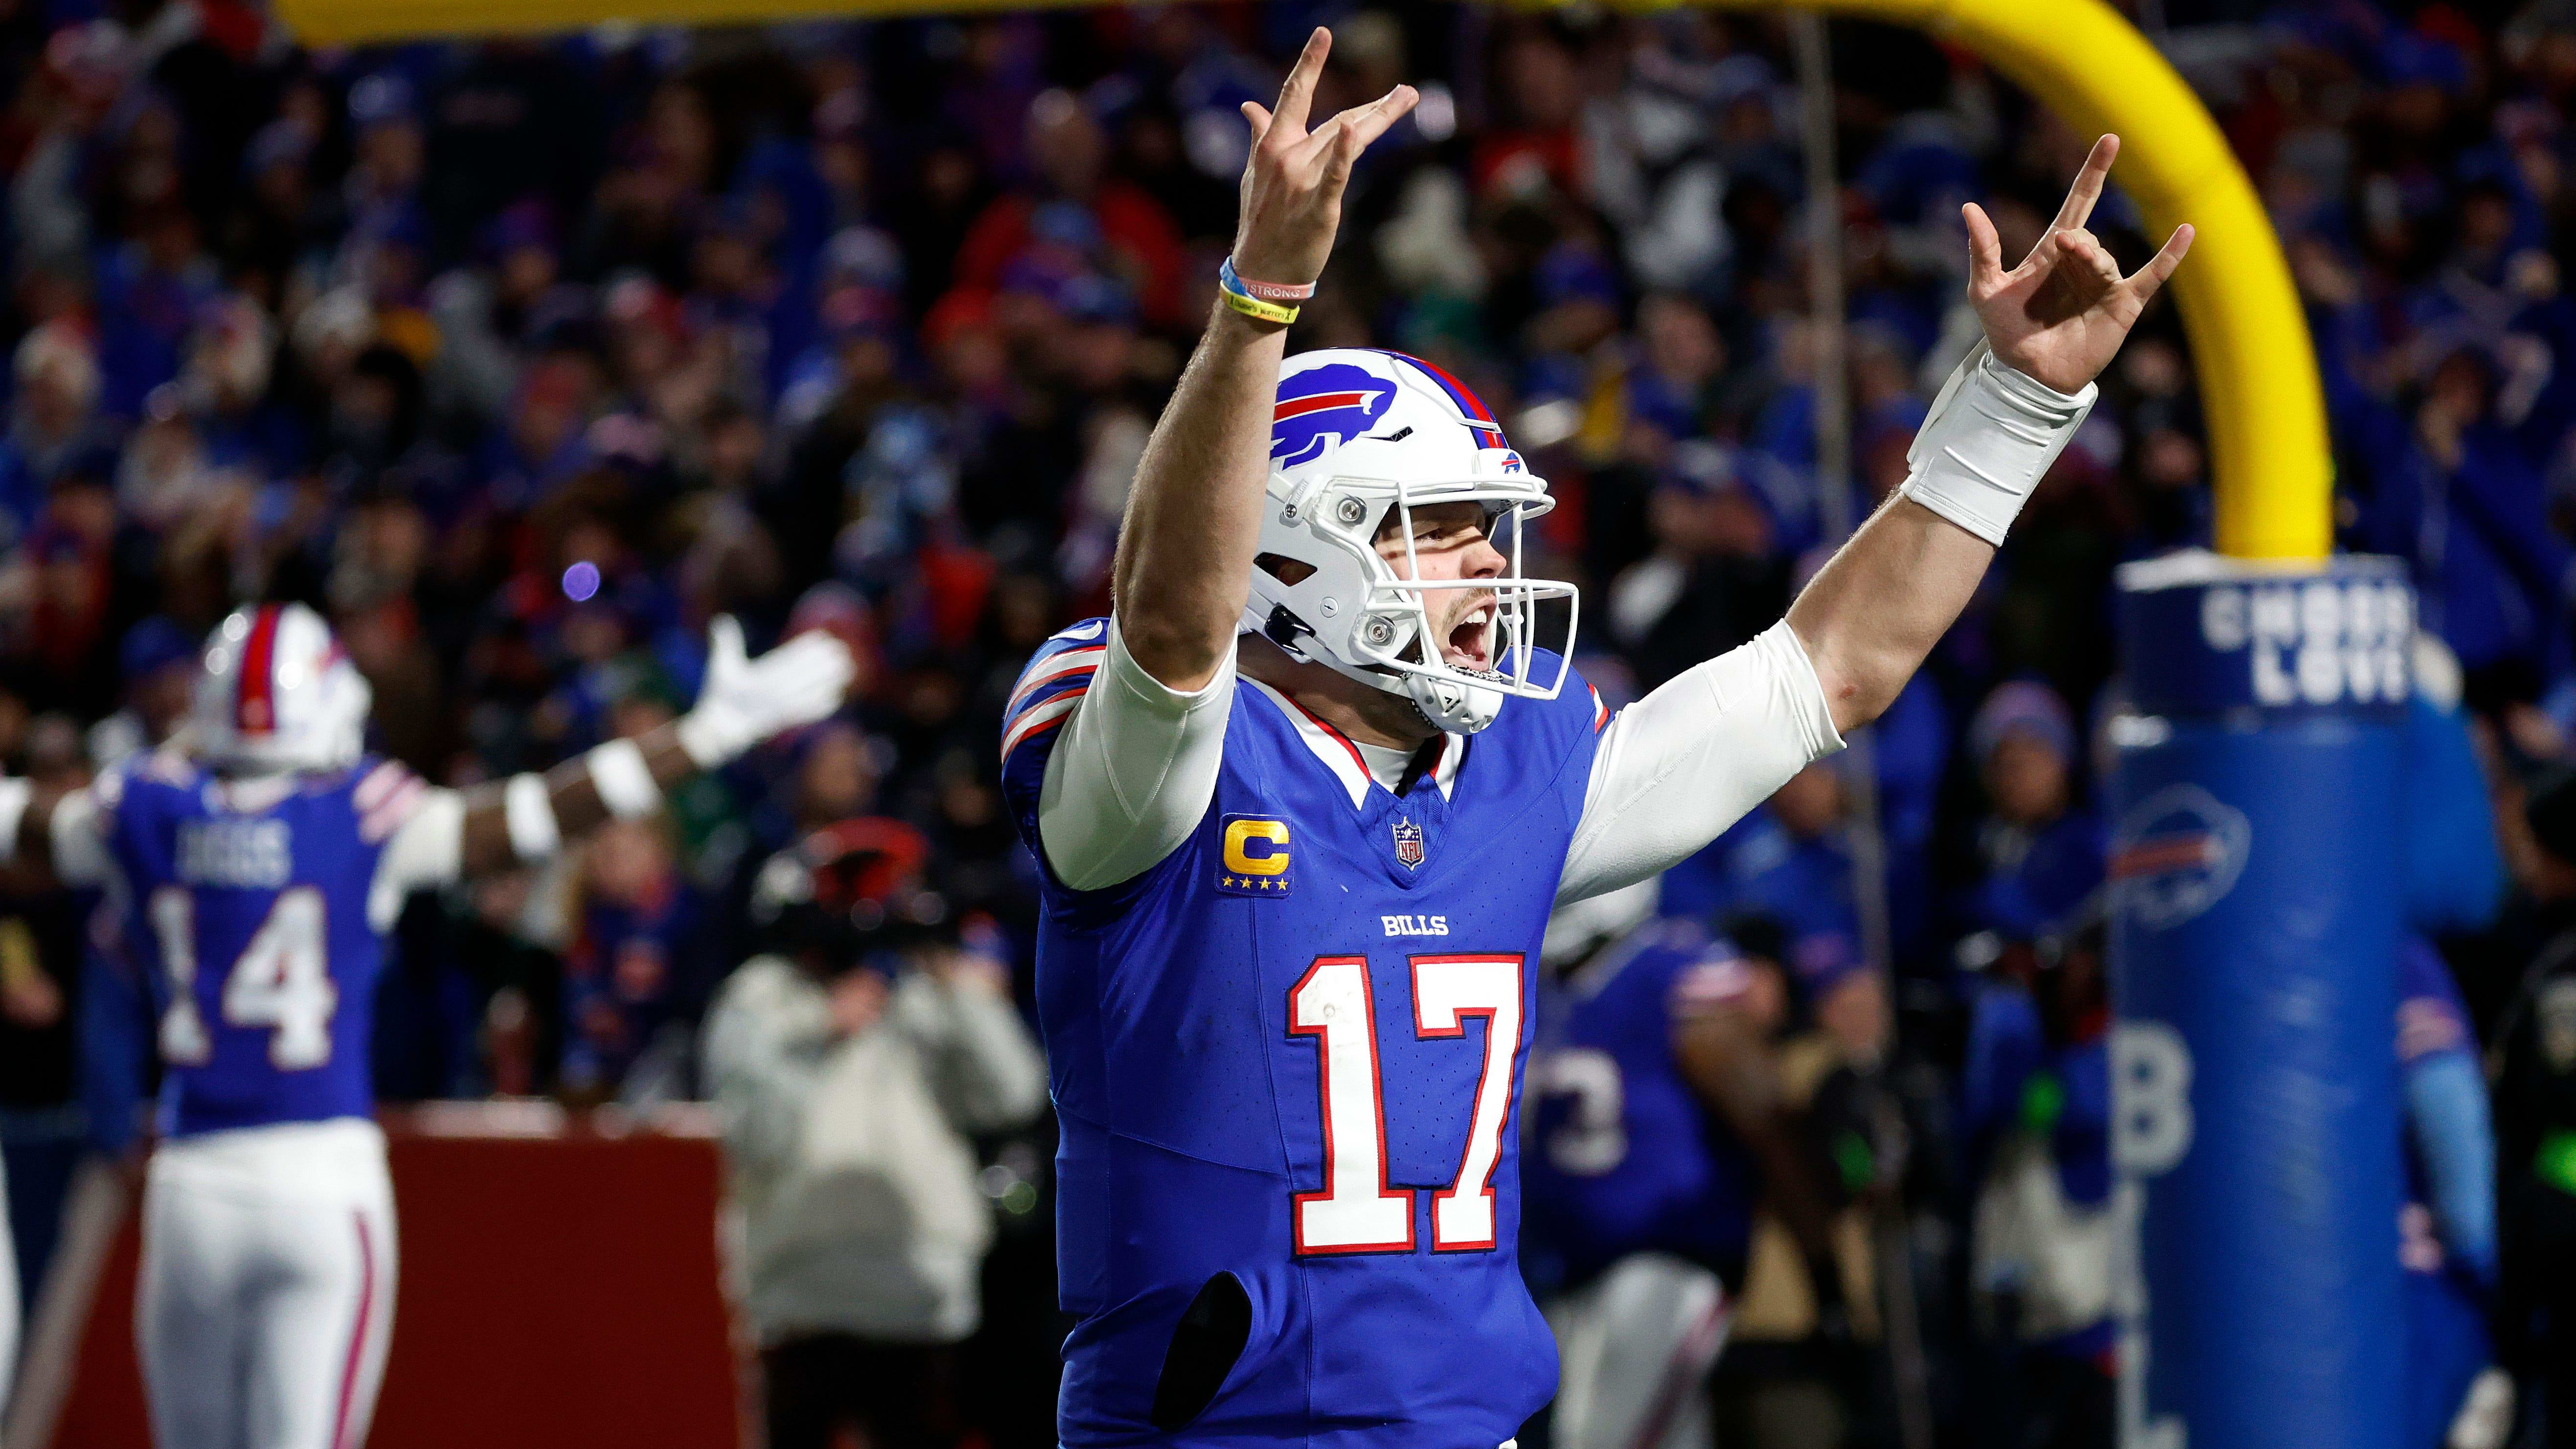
(277, 692)
(1357, 435)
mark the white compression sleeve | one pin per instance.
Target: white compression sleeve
(1687, 761)
(1134, 770)
(1989, 438)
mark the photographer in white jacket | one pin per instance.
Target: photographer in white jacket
(849, 1063)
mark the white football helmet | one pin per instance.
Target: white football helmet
(278, 693)
(1357, 434)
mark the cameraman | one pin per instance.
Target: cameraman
(849, 1062)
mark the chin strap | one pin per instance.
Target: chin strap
(1475, 707)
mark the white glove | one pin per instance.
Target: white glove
(746, 701)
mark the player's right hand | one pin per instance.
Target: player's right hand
(1293, 182)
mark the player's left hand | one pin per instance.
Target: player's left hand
(2061, 314)
(747, 700)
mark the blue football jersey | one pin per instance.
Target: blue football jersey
(1624, 1158)
(1291, 1053)
(247, 913)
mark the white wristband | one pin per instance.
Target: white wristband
(528, 808)
(14, 796)
(624, 781)
(1990, 437)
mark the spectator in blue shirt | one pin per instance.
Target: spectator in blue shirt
(2041, 851)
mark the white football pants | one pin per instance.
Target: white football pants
(1637, 1344)
(267, 1294)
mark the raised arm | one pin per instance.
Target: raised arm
(1184, 565)
(744, 702)
(1137, 760)
(1688, 760)
(2051, 324)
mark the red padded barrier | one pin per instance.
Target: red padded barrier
(558, 1286)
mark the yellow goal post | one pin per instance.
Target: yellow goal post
(2271, 464)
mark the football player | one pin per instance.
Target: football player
(1654, 1124)
(1305, 801)
(255, 866)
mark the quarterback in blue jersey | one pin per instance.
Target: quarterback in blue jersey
(1304, 801)
(254, 868)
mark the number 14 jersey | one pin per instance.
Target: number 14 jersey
(1286, 1062)
(246, 905)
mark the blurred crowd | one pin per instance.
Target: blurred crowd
(524, 359)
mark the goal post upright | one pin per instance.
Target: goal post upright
(2270, 461)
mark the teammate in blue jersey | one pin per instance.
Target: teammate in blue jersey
(1653, 1125)
(254, 868)
(1304, 802)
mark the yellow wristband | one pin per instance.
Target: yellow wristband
(1257, 309)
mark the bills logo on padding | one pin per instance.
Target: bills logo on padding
(2179, 851)
(1325, 407)
(1408, 844)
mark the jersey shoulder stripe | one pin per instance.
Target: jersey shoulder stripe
(386, 796)
(1050, 673)
(1056, 678)
(1038, 721)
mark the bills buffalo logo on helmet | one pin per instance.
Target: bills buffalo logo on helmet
(1325, 407)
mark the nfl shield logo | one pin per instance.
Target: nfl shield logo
(1408, 843)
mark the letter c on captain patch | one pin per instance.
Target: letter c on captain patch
(1255, 846)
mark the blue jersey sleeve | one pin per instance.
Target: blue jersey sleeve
(1043, 698)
